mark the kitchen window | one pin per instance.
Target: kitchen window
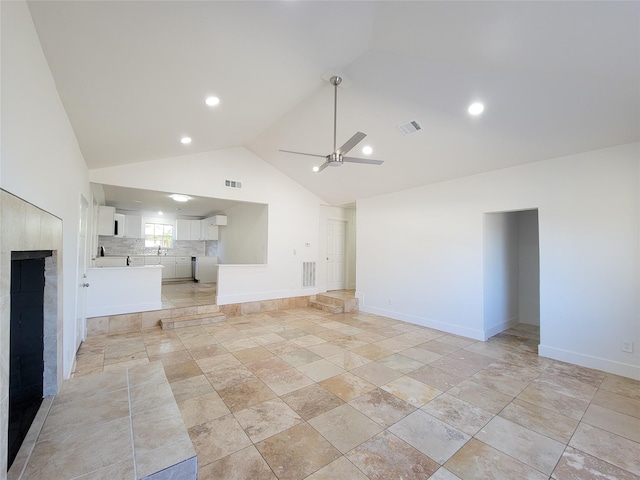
(158, 234)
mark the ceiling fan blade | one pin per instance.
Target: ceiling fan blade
(362, 160)
(322, 167)
(302, 153)
(352, 142)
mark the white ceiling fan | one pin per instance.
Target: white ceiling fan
(337, 158)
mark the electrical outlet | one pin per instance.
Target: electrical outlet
(389, 301)
(627, 346)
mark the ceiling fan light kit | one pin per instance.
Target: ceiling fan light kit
(337, 157)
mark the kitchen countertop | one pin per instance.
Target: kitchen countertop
(126, 268)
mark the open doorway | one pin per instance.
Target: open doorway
(511, 272)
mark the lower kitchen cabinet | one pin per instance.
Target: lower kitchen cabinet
(183, 267)
(169, 264)
(136, 261)
(183, 271)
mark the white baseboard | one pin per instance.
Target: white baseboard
(610, 366)
(423, 322)
(500, 328)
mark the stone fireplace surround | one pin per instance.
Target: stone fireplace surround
(25, 227)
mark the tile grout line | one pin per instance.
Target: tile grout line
(259, 322)
(32, 448)
(133, 445)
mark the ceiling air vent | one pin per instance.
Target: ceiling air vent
(232, 184)
(409, 127)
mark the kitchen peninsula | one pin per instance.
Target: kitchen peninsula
(117, 290)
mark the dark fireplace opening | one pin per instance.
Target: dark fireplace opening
(26, 365)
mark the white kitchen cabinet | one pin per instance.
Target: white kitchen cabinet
(119, 228)
(218, 220)
(188, 229)
(183, 267)
(195, 228)
(137, 261)
(169, 264)
(133, 226)
(209, 229)
(183, 229)
(210, 226)
(212, 232)
(106, 220)
(152, 260)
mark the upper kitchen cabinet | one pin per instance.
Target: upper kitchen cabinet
(196, 229)
(210, 231)
(133, 226)
(106, 220)
(188, 229)
(119, 225)
(218, 220)
(210, 226)
(129, 226)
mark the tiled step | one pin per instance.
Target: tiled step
(350, 304)
(335, 303)
(192, 320)
(325, 307)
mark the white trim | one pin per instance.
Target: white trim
(501, 328)
(424, 322)
(610, 366)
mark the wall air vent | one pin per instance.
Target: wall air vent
(308, 274)
(409, 127)
(232, 184)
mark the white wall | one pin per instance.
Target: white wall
(244, 240)
(500, 272)
(589, 222)
(292, 217)
(40, 159)
(347, 215)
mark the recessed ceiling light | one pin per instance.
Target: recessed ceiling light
(212, 101)
(476, 108)
(185, 140)
(160, 213)
(316, 169)
(180, 198)
(367, 150)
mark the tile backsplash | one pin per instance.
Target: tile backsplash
(135, 246)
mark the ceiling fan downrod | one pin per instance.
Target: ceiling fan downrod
(335, 81)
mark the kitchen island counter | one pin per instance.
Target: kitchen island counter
(118, 290)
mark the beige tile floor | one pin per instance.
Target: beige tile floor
(303, 394)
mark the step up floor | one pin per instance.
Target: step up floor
(341, 301)
(192, 320)
(326, 307)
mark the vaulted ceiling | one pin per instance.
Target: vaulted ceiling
(556, 78)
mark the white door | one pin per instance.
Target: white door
(82, 271)
(336, 246)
